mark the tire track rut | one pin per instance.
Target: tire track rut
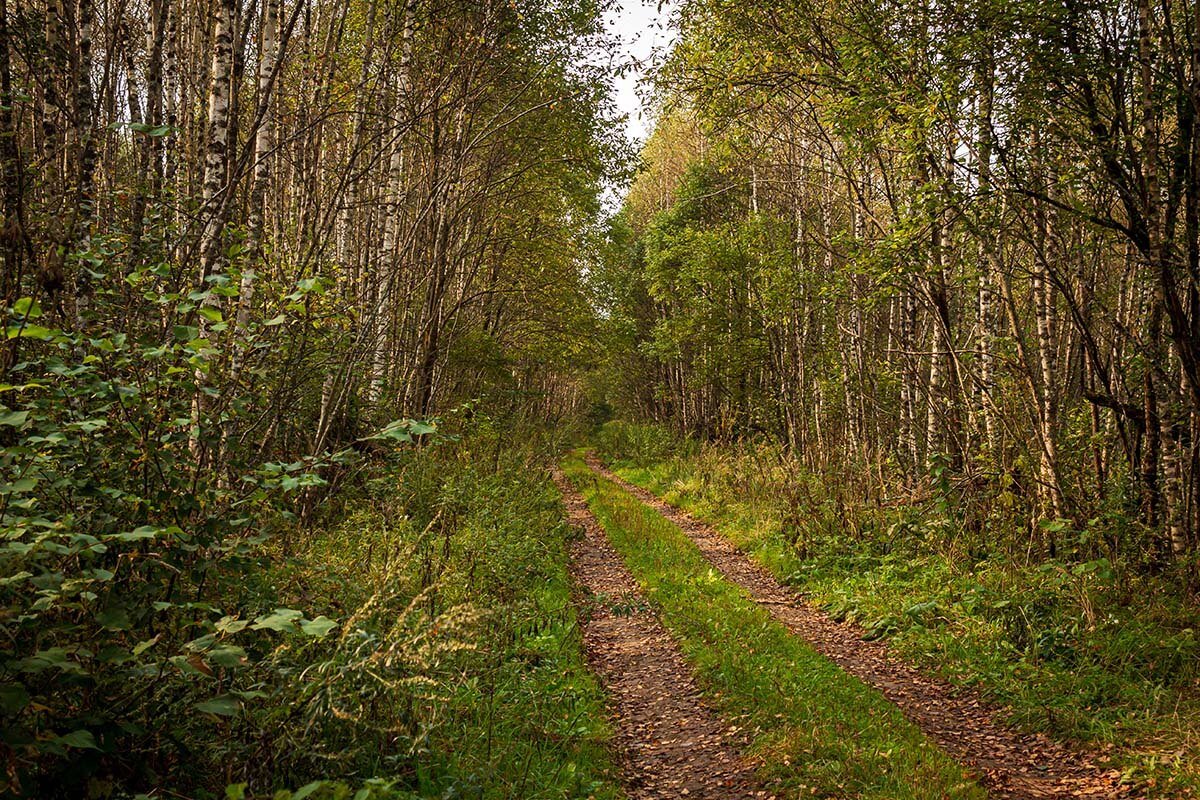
(672, 744)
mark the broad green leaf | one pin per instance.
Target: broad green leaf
(142, 647)
(30, 332)
(13, 697)
(19, 486)
(14, 419)
(231, 624)
(114, 654)
(227, 655)
(114, 619)
(223, 706)
(17, 578)
(147, 129)
(50, 657)
(283, 619)
(78, 739)
(318, 627)
(27, 307)
(144, 532)
(202, 643)
(306, 790)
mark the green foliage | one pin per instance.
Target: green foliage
(163, 615)
(642, 444)
(129, 635)
(470, 553)
(192, 382)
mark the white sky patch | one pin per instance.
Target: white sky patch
(644, 32)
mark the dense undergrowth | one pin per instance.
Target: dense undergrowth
(458, 555)
(814, 730)
(1086, 646)
(414, 639)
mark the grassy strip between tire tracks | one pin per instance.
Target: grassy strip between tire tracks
(816, 730)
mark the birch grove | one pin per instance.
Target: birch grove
(252, 254)
(969, 238)
(355, 182)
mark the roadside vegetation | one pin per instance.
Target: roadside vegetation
(1081, 647)
(416, 640)
(463, 674)
(897, 300)
(244, 248)
(813, 730)
(903, 298)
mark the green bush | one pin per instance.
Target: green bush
(172, 624)
(135, 632)
(639, 444)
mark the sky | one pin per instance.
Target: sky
(643, 31)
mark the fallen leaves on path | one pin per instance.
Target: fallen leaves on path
(1010, 764)
(672, 744)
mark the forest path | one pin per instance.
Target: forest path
(1008, 763)
(672, 744)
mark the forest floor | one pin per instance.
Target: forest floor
(669, 735)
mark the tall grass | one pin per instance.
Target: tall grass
(455, 669)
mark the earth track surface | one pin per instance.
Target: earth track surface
(671, 743)
(1010, 764)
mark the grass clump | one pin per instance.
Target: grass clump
(816, 730)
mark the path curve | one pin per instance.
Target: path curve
(1008, 763)
(672, 744)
